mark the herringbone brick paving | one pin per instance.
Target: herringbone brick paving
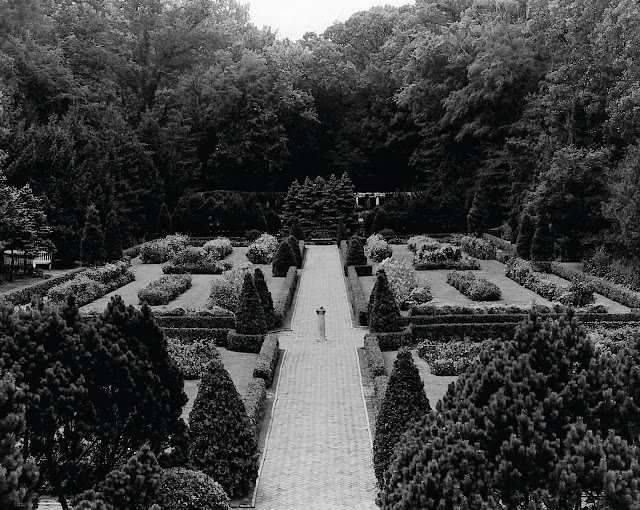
(318, 453)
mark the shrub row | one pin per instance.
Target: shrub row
(429, 309)
(461, 265)
(478, 247)
(417, 243)
(600, 285)
(24, 295)
(500, 243)
(285, 299)
(93, 283)
(472, 332)
(215, 335)
(196, 261)
(379, 389)
(164, 289)
(450, 358)
(392, 341)
(356, 293)
(192, 356)
(195, 320)
(267, 360)
(373, 356)
(254, 401)
(477, 289)
(243, 342)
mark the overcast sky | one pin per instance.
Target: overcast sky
(292, 18)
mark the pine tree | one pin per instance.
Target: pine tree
(283, 259)
(525, 236)
(113, 235)
(265, 297)
(92, 242)
(384, 316)
(477, 215)
(221, 440)
(404, 401)
(250, 318)
(341, 233)
(355, 252)
(295, 247)
(346, 203)
(291, 205)
(164, 222)
(380, 221)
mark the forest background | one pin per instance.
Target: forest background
(494, 110)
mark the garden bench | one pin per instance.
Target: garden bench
(41, 258)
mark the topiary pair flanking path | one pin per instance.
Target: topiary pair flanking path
(318, 452)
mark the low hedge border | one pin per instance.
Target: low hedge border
(394, 340)
(254, 401)
(356, 293)
(363, 270)
(601, 286)
(429, 310)
(282, 306)
(473, 332)
(420, 320)
(244, 343)
(500, 243)
(379, 389)
(462, 265)
(24, 295)
(195, 321)
(267, 360)
(373, 356)
(217, 335)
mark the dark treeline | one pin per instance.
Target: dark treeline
(495, 110)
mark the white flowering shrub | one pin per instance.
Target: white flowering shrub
(218, 248)
(376, 248)
(262, 250)
(417, 243)
(225, 291)
(402, 278)
(161, 250)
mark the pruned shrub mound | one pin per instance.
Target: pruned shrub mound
(225, 291)
(252, 235)
(450, 358)
(266, 300)
(283, 260)
(444, 257)
(402, 278)
(380, 221)
(161, 250)
(262, 250)
(527, 426)
(192, 358)
(377, 248)
(221, 439)
(384, 316)
(404, 401)
(250, 315)
(295, 247)
(417, 243)
(164, 289)
(355, 252)
(477, 289)
(196, 261)
(478, 247)
(187, 489)
(219, 248)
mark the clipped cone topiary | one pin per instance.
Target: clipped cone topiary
(372, 298)
(380, 221)
(265, 297)
(283, 260)
(385, 314)
(221, 439)
(355, 253)
(250, 318)
(296, 230)
(341, 234)
(404, 400)
(295, 247)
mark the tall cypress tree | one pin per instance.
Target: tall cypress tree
(92, 242)
(525, 236)
(385, 314)
(164, 223)
(266, 299)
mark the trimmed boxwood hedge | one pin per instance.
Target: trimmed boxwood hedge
(254, 402)
(379, 389)
(363, 270)
(195, 321)
(244, 343)
(392, 341)
(267, 360)
(373, 356)
(466, 319)
(356, 294)
(217, 335)
(500, 243)
(284, 302)
(473, 331)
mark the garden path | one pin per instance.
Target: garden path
(318, 452)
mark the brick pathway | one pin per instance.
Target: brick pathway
(318, 453)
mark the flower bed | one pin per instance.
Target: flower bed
(191, 356)
(164, 289)
(478, 247)
(477, 289)
(450, 358)
(196, 261)
(417, 243)
(445, 257)
(262, 250)
(219, 248)
(377, 248)
(609, 341)
(93, 283)
(161, 250)
(404, 284)
(429, 309)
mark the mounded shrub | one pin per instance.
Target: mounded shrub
(268, 359)
(250, 315)
(187, 489)
(295, 247)
(192, 356)
(265, 297)
(355, 252)
(478, 247)
(450, 358)
(385, 315)
(283, 260)
(424, 243)
(164, 289)
(219, 248)
(262, 250)
(244, 343)
(221, 439)
(161, 250)
(477, 289)
(254, 402)
(225, 291)
(196, 261)
(404, 401)
(251, 235)
(377, 248)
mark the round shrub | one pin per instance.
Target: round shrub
(218, 248)
(385, 315)
(262, 250)
(266, 300)
(295, 247)
(376, 248)
(221, 441)
(380, 221)
(404, 400)
(283, 260)
(250, 318)
(192, 358)
(225, 291)
(251, 235)
(387, 234)
(355, 253)
(187, 489)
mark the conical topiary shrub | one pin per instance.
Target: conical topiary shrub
(385, 314)
(380, 221)
(404, 401)
(341, 234)
(372, 299)
(295, 247)
(250, 318)
(296, 230)
(221, 440)
(283, 260)
(355, 253)
(265, 297)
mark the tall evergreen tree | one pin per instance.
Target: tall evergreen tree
(164, 223)
(542, 241)
(92, 242)
(380, 221)
(295, 247)
(266, 299)
(525, 236)
(250, 318)
(384, 316)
